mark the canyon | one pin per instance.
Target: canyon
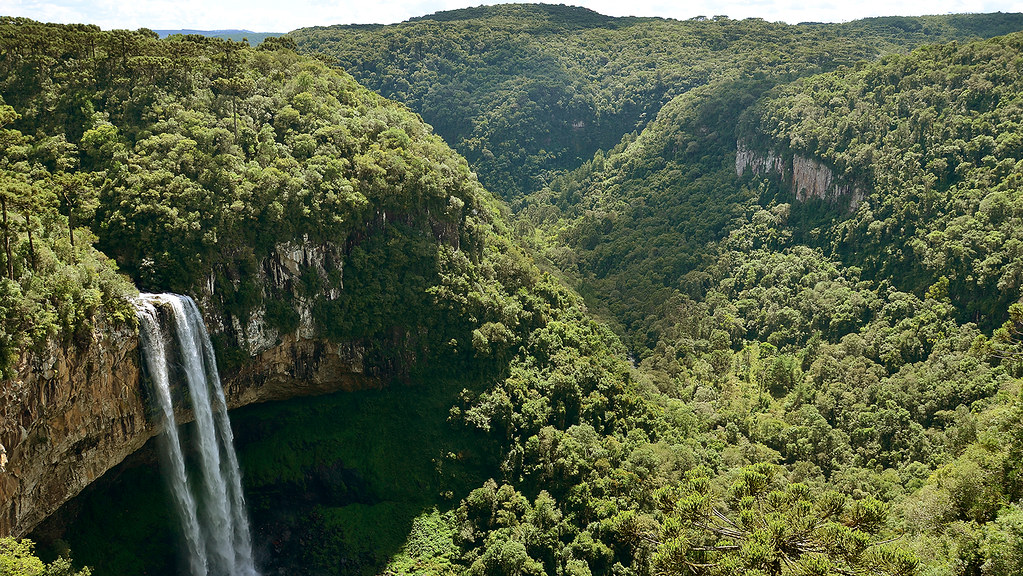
(73, 412)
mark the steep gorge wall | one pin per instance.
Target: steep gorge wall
(806, 177)
(73, 412)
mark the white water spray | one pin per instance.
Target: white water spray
(215, 524)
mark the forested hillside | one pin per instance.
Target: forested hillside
(929, 137)
(936, 137)
(856, 339)
(525, 91)
(513, 434)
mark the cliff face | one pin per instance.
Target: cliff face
(74, 412)
(68, 416)
(280, 272)
(807, 177)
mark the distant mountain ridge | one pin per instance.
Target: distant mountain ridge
(572, 16)
(254, 38)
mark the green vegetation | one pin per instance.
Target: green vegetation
(853, 347)
(252, 38)
(526, 91)
(772, 528)
(17, 558)
(53, 282)
(191, 158)
(207, 155)
(936, 136)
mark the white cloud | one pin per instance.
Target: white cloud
(275, 15)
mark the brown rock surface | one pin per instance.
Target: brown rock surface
(73, 413)
(70, 414)
(807, 177)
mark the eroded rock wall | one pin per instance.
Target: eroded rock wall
(807, 177)
(70, 414)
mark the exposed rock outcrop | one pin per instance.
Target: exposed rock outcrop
(807, 177)
(73, 412)
(757, 163)
(68, 416)
(298, 367)
(280, 273)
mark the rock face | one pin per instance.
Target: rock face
(807, 177)
(298, 367)
(68, 416)
(72, 412)
(280, 273)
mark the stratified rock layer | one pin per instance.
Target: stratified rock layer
(68, 416)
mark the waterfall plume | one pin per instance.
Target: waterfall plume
(209, 500)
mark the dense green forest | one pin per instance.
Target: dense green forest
(937, 137)
(859, 344)
(650, 365)
(186, 160)
(525, 91)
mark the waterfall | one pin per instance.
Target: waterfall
(156, 360)
(209, 501)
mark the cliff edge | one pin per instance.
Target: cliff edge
(73, 412)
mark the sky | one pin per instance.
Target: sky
(286, 15)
